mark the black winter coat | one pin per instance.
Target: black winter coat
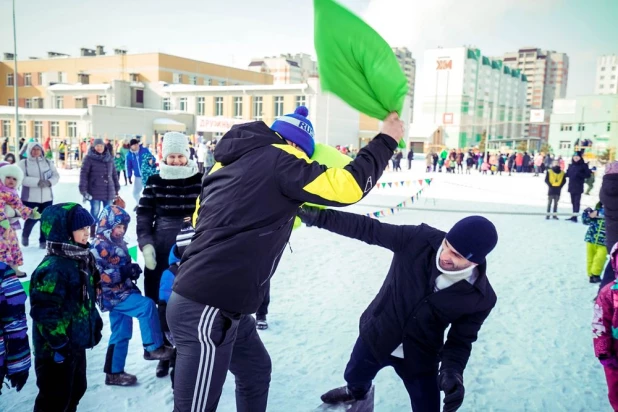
(609, 198)
(247, 208)
(98, 176)
(407, 310)
(577, 174)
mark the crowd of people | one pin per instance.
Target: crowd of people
(196, 206)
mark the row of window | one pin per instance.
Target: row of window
(611, 86)
(80, 103)
(54, 129)
(613, 68)
(258, 102)
(178, 78)
(565, 127)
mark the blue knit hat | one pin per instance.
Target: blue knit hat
(296, 128)
(80, 218)
(473, 238)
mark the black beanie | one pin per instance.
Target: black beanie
(473, 238)
(133, 141)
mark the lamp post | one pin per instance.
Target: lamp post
(15, 81)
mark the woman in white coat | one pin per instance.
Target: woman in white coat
(40, 175)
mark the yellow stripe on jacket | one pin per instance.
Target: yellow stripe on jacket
(216, 167)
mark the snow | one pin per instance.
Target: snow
(534, 352)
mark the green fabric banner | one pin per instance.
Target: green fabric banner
(355, 62)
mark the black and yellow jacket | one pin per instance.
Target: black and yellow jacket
(555, 179)
(248, 204)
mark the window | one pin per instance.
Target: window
(139, 96)
(278, 106)
(565, 145)
(177, 78)
(182, 104)
(201, 106)
(81, 103)
(222, 83)
(209, 82)
(612, 86)
(613, 68)
(218, 106)
(28, 104)
(581, 127)
(601, 86)
(59, 102)
(11, 102)
(609, 127)
(300, 101)
(39, 78)
(102, 100)
(71, 129)
(22, 128)
(10, 80)
(62, 77)
(6, 128)
(192, 79)
(37, 102)
(602, 78)
(38, 129)
(54, 129)
(134, 77)
(257, 108)
(602, 69)
(613, 77)
(28, 79)
(238, 107)
(166, 103)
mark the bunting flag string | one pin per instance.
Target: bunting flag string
(403, 183)
(395, 209)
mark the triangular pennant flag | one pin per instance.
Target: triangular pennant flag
(383, 184)
(396, 184)
(376, 214)
(393, 211)
(368, 214)
(420, 182)
(390, 184)
(404, 204)
(428, 181)
(408, 183)
(402, 182)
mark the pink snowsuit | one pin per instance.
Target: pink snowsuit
(604, 322)
(10, 253)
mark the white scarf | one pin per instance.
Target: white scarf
(178, 172)
(449, 278)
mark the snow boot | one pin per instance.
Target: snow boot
(261, 323)
(120, 379)
(547, 217)
(595, 279)
(163, 368)
(556, 218)
(24, 241)
(572, 219)
(339, 395)
(163, 353)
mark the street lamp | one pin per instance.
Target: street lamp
(15, 81)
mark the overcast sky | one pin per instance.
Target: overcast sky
(232, 31)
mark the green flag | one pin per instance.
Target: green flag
(355, 63)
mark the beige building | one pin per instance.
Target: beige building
(408, 64)
(286, 68)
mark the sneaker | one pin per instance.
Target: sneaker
(546, 217)
(24, 241)
(260, 322)
(595, 279)
(163, 368)
(162, 353)
(339, 395)
(556, 218)
(120, 379)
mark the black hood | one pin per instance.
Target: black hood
(242, 139)
(556, 169)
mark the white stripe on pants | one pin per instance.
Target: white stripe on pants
(207, 359)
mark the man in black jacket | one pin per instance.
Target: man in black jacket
(577, 173)
(436, 279)
(248, 204)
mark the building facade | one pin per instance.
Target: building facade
(408, 64)
(606, 81)
(470, 96)
(286, 68)
(587, 117)
(547, 73)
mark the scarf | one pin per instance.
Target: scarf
(178, 172)
(449, 278)
(104, 157)
(69, 251)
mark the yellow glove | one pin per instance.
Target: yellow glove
(35, 214)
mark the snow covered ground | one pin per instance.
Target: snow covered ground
(534, 353)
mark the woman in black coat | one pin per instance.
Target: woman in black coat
(577, 173)
(98, 181)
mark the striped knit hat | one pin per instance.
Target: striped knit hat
(184, 237)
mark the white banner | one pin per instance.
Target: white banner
(537, 116)
(216, 124)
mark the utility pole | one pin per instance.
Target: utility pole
(15, 81)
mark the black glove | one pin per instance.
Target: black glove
(131, 271)
(309, 215)
(451, 382)
(18, 380)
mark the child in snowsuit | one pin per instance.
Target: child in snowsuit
(604, 326)
(14, 346)
(65, 320)
(121, 297)
(11, 206)
(167, 280)
(595, 242)
(555, 180)
(590, 181)
(10, 179)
